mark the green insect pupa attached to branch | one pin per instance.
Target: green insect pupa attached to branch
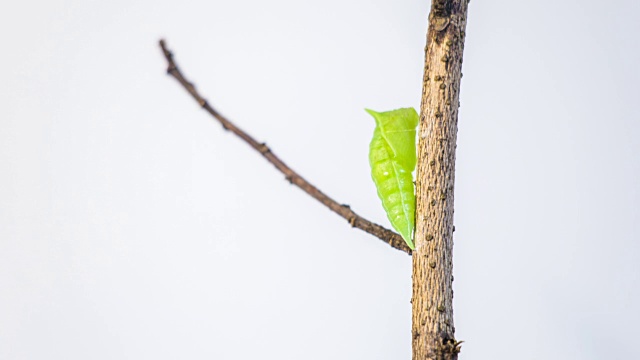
(392, 156)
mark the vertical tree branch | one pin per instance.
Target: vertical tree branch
(432, 301)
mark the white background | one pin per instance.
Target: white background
(134, 227)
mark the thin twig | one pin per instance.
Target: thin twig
(345, 211)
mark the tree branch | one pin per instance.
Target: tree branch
(432, 302)
(343, 210)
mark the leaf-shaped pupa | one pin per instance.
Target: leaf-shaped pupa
(392, 156)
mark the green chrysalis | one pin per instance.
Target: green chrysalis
(392, 156)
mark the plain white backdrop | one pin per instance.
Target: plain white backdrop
(134, 227)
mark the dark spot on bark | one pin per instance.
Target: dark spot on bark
(442, 8)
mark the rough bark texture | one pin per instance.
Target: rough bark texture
(432, 301)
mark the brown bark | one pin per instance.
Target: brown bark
(432, 300)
